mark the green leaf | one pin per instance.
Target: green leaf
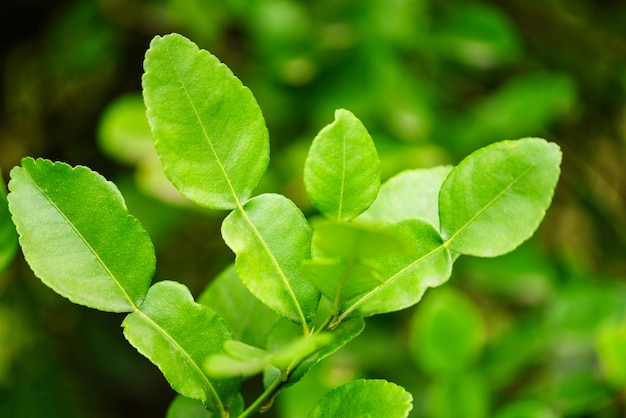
(177, 335)
(349, 240)
(496, 197)
(342, 170)
(208, 129)
(78, 237)
(410, 194)
(365, 398)
(247, 317)
(447, 332)
(270, 237)
(465, 395)
(405, 277)
(8, 235)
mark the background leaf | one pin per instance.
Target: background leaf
(270, 237)
(78, 237)
(365, 398)
(182, 407)
(410, 194)
(496, 197)
(177, 335)
(342, 170)
(208, 129)
(8, 235)
(447, 332)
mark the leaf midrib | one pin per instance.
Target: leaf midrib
(186, 356)
(84, 241)
(204, 130)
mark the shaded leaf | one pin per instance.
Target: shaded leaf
(365, 398)
(208, 129)
(496, 197)
(177, 335)
(78, 237)
(410, 194)
(247, 317)
(342, 170)
(270, 237)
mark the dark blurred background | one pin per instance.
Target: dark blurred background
(432, 80)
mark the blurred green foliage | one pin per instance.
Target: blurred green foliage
(537, 333)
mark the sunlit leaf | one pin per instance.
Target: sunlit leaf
(248, 318)
(271, 238)
(8, 235)
(78, 237)
(177, 334)
(410, 194)
(496, 197)
(208, 129)
(611, 351)
(342, 170)
(365, 398)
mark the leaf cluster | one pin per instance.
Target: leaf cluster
(299, 288)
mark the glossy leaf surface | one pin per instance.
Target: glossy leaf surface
(270, 237)
(365, 398)
(249, 319)
(342, 170)
(405, 277)
(8, 235)
(177, 334)
(496, 197)
(208, 129)
(410, 194)
(350, 240)
(78, 237)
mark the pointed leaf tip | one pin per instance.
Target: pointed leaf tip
(342, 170)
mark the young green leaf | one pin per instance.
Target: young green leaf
(78, 237)
(208, 129)
(410, 194)
(271, 237)
(342, 170)
(8, 235)
(365, 398)
(405, 277)
(247, 317)
(496, 197)
(177, 335)
(610, 344)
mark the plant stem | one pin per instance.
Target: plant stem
(265, 396)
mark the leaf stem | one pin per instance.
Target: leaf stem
(265, 396)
